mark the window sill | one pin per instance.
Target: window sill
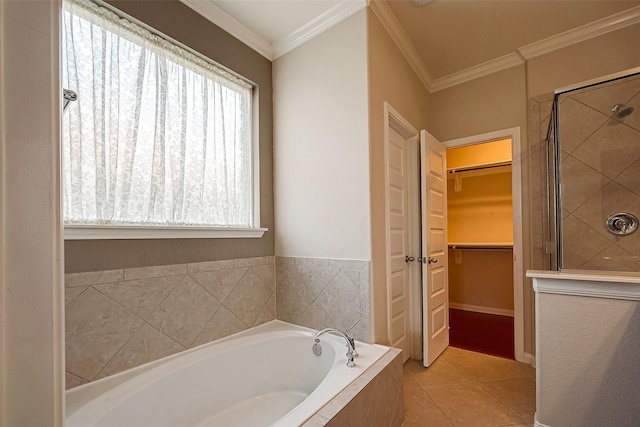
(96, 232)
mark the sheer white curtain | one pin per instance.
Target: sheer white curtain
(158, 136)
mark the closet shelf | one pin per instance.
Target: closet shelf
(480, 245)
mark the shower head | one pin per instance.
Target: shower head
(620, 111)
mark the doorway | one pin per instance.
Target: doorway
(511, 252)
(480, 247)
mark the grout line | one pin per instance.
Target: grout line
(207, 324)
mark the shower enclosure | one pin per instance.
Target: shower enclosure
(592, 163)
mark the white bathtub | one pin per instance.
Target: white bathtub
(266, 376)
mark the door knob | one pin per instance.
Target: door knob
(408, 258)
(432, 260)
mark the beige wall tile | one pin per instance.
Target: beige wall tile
(73, 381)
(612, 198)
(96, 328)
(252, 262)
(580, 183)
(156, 271)
(577, 123)
(268, 312)
(92, 278)
(141, 297)
(248, 298)
(604, 97)
(71, 293)
(292, 298)
(222, 324)
(314, 278)
(198, 267)
(341, 301)
(318, 293)
(266, 273)
(610, 150)
(614, 258)
(316, 317)
(145, 345)
(347, 264)
(312, 262)
(580, 242)
(285, 261)
(185, 312)
(179, 305)
(219, 283)
(630, 178)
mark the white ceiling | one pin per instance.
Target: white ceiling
(274, 19)
(446, 41)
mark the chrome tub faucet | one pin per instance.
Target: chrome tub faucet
(348, 337)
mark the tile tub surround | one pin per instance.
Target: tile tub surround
(320, 293)
(119, 319)
(375, 398)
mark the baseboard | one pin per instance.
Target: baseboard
(481, 309)
(530, 359)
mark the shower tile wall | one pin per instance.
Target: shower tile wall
(119, 319)
(320, 293)
(600, 174)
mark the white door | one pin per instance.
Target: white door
(397, 243)
(435, 287)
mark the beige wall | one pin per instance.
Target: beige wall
(390, 79)
(483, 278)
(597, 57)
(321, 140)
(31, 280)
(588, 365)
(184, 25)
(482, 211)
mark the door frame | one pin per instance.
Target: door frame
(394, 120)
(516, 193)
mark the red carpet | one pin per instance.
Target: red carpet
(484, 333)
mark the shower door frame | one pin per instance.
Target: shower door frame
(554, 182)
(518, 257)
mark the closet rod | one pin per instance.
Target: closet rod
(479, 168)
(481, 248)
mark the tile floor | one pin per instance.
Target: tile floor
(463, 388)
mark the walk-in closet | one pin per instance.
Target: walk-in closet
(480, 239)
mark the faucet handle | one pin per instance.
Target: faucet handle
(352, 341)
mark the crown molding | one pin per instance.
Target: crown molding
(477, 71)
(324, 21)
(316, 26)
(209, 10)
(579, 34)
(393, 27)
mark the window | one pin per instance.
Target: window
(159, 138)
